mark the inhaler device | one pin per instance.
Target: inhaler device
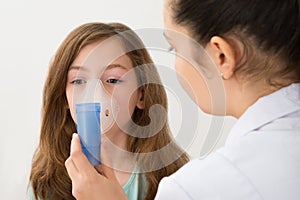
(94, 116)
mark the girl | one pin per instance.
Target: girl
(254, 49)
(69, 74)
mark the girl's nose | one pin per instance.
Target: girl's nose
(95, 92)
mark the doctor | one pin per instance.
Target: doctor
(256, 48)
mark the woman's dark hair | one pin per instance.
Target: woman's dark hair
(270, 27)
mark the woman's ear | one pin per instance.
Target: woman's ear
(140, 101)
(223, 54)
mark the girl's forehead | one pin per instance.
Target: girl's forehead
(100, 55)
(123, 62)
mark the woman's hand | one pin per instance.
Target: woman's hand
(87, 183)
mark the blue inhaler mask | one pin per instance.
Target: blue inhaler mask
(95, 115)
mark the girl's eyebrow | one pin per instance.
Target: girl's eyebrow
(74, 67)
(111, 66)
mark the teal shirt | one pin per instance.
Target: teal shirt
(131, 188)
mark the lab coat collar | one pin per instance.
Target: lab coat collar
(267, 109)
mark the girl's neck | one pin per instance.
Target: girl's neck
(118, 138)
(116, 153)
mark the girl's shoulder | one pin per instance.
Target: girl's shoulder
(30, 194)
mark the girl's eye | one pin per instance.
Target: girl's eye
(113, 81)
(78, 82)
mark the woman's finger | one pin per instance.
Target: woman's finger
(79, 159)
(71, 169)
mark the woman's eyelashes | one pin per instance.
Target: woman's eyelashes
(171, 49)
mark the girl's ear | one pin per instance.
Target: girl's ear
(140, 101)
(223, 53)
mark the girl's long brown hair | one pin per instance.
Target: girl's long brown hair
(49, 178)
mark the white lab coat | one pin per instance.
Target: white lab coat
(261, 158)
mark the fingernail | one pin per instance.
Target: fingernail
(74, 135)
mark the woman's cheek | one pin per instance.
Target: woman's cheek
(193, 83)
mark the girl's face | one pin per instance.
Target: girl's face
(116, 81)
(198, 80)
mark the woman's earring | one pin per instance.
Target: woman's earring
(222, 75)
(229, 74)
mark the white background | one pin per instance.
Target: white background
(31, 31)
